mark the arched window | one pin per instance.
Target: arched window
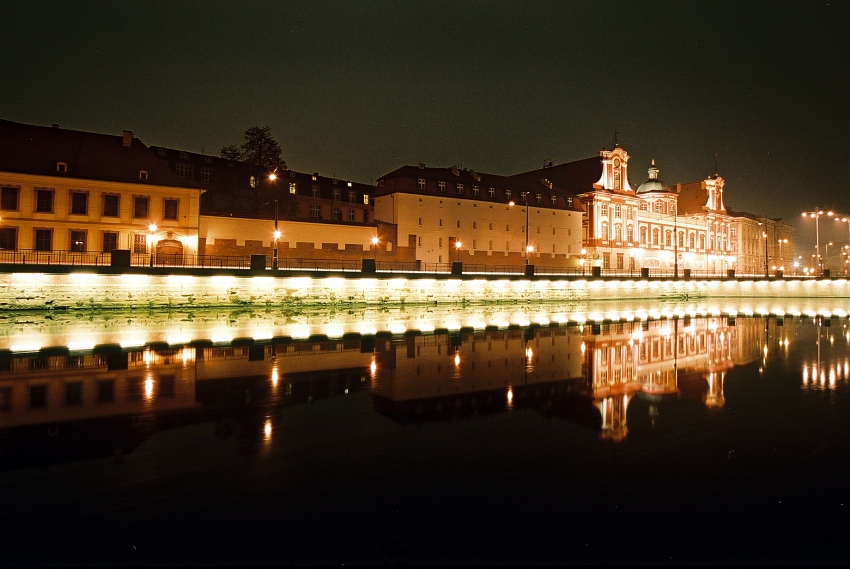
(618, 232)
(668, 238)
(692, 240)
(604, 232)
(702, 241)
(655, 233)
(643, 207)
(630, 233)
(658, 207)
(643, 235)
(681, 239)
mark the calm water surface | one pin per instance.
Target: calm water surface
(696, 440)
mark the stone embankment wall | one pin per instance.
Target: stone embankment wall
(92, 290)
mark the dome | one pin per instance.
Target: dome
(653, 184)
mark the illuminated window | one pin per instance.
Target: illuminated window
(617, 211)
(44, 201)
(78, 241)
(539, 197)
(491, 192)
(475, 191)
(569, 202)
(366, 199)
(553, 199)
(420, 183)
(292, 188)
(169, 209)
(460, 188)
(603, 209)
(655, 236)
(507, 194)
(441, 186)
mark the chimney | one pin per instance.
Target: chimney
(128, 138)
(54, 125)
(422, 165)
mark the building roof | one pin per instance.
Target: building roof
(653, 184)
(574, 178)
(31, 149)
(398, 181)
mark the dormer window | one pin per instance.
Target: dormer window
(143, 175)
(162, 151)
(62, 167)
(184, 155)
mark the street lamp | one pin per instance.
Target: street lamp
(847, 221)
(781, 242)
(152, 230)
(816, 214)
(826, 255)
(764, 236)
(273, 178)
(375, 247)
(457, 248)
(512, 204)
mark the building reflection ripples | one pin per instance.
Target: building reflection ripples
(61, 405)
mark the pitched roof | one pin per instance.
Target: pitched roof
(575, 177)
(31, 149)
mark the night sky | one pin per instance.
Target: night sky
(355, 89)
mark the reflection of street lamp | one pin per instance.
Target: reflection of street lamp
(816, 214)
(457, 248)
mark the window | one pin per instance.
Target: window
(420, 184)
(170, 208)
(140, 243)
(8, 238)
(140, 207)
(491, 192)
(208, 159)
(458, 223)
(62, 167)
(143, 175)
(315, 211)
(618, 233)
(476, 191)
(460, 188)
(38, 396)
(604, 234)
(667, 238)
(539, 197)
(78, 241)
(106, 391)
(569, 202)
(184, 155)
(206, 173)
(553, 199)
(366, 199)
(420, 222)
(79, 203)
(655, 235)
(630, 233)
(658, 207)
(9, 199)
(474, 225)
(337, 194)
(44, 201)
(292, 188)
(337, 214)
(185, 170)
(507, 194)
(74, 393)
(603, 209)
(314, 189)
(441, 223)
(352, 197)
(643, 207)
(617, 213)
(162, 151)
(43, 239)
(351, 215)
(110, 241)
(441, 186)
(110, 205)
(365, 216)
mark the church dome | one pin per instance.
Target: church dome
(653, 184)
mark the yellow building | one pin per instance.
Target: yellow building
(67, 193)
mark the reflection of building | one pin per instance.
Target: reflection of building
(71, 191)
(663, 358)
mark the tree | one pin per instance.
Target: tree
(258, 148)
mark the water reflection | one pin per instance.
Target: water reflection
(61, 404)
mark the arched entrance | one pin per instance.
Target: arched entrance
(169, 252)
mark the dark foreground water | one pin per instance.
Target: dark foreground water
(684, 441)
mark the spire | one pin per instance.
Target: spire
(716, 154)
(615, 139)
(653, 171)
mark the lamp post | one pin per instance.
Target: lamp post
(152, 230)
(847, 221)
(826, 255)
(512, 204)
(781, 242)
(764, 236)
(375, 247)
(457, 248)
(676, 243)
(816, 214)
(273, 178)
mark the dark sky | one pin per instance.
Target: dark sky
(355, 88)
